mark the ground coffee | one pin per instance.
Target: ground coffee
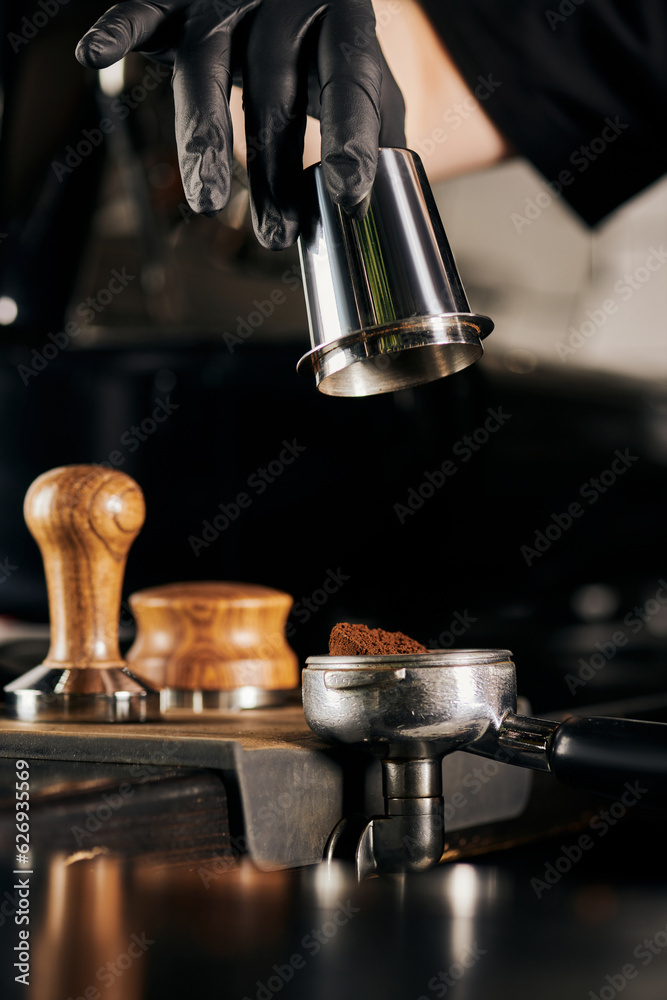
(360, 640)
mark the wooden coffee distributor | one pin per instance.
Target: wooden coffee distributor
(222, 641)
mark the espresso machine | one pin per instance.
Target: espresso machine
(411, 827)
(386, 311)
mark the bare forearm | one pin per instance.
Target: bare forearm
(445, 122)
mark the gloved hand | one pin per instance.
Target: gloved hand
(278, 46)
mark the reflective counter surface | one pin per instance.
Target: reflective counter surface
(561, 918)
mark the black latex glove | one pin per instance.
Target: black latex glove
(278, 46)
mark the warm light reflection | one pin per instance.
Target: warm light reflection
(463, 890)
(84, 938)
(463, 893)
(8, 310)
(331, 881)
(112, 78)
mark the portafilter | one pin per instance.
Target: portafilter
(411, 710)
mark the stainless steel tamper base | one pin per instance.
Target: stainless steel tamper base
(234, 700)
(397, 355)
(71, 694)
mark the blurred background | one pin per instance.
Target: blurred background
(136, 334)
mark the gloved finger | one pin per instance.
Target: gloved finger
(202, 84)
(392, 109)
(351, 81)
(275, 101)
(392, 105)
(124, 27)
(314, 109)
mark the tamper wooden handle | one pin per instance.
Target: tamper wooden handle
(84, 519)
(213, 636)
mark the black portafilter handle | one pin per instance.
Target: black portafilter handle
(613, 758)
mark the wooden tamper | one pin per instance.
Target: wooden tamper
(84, 519)
(214, 645)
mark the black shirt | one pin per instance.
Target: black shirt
(580, 87)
